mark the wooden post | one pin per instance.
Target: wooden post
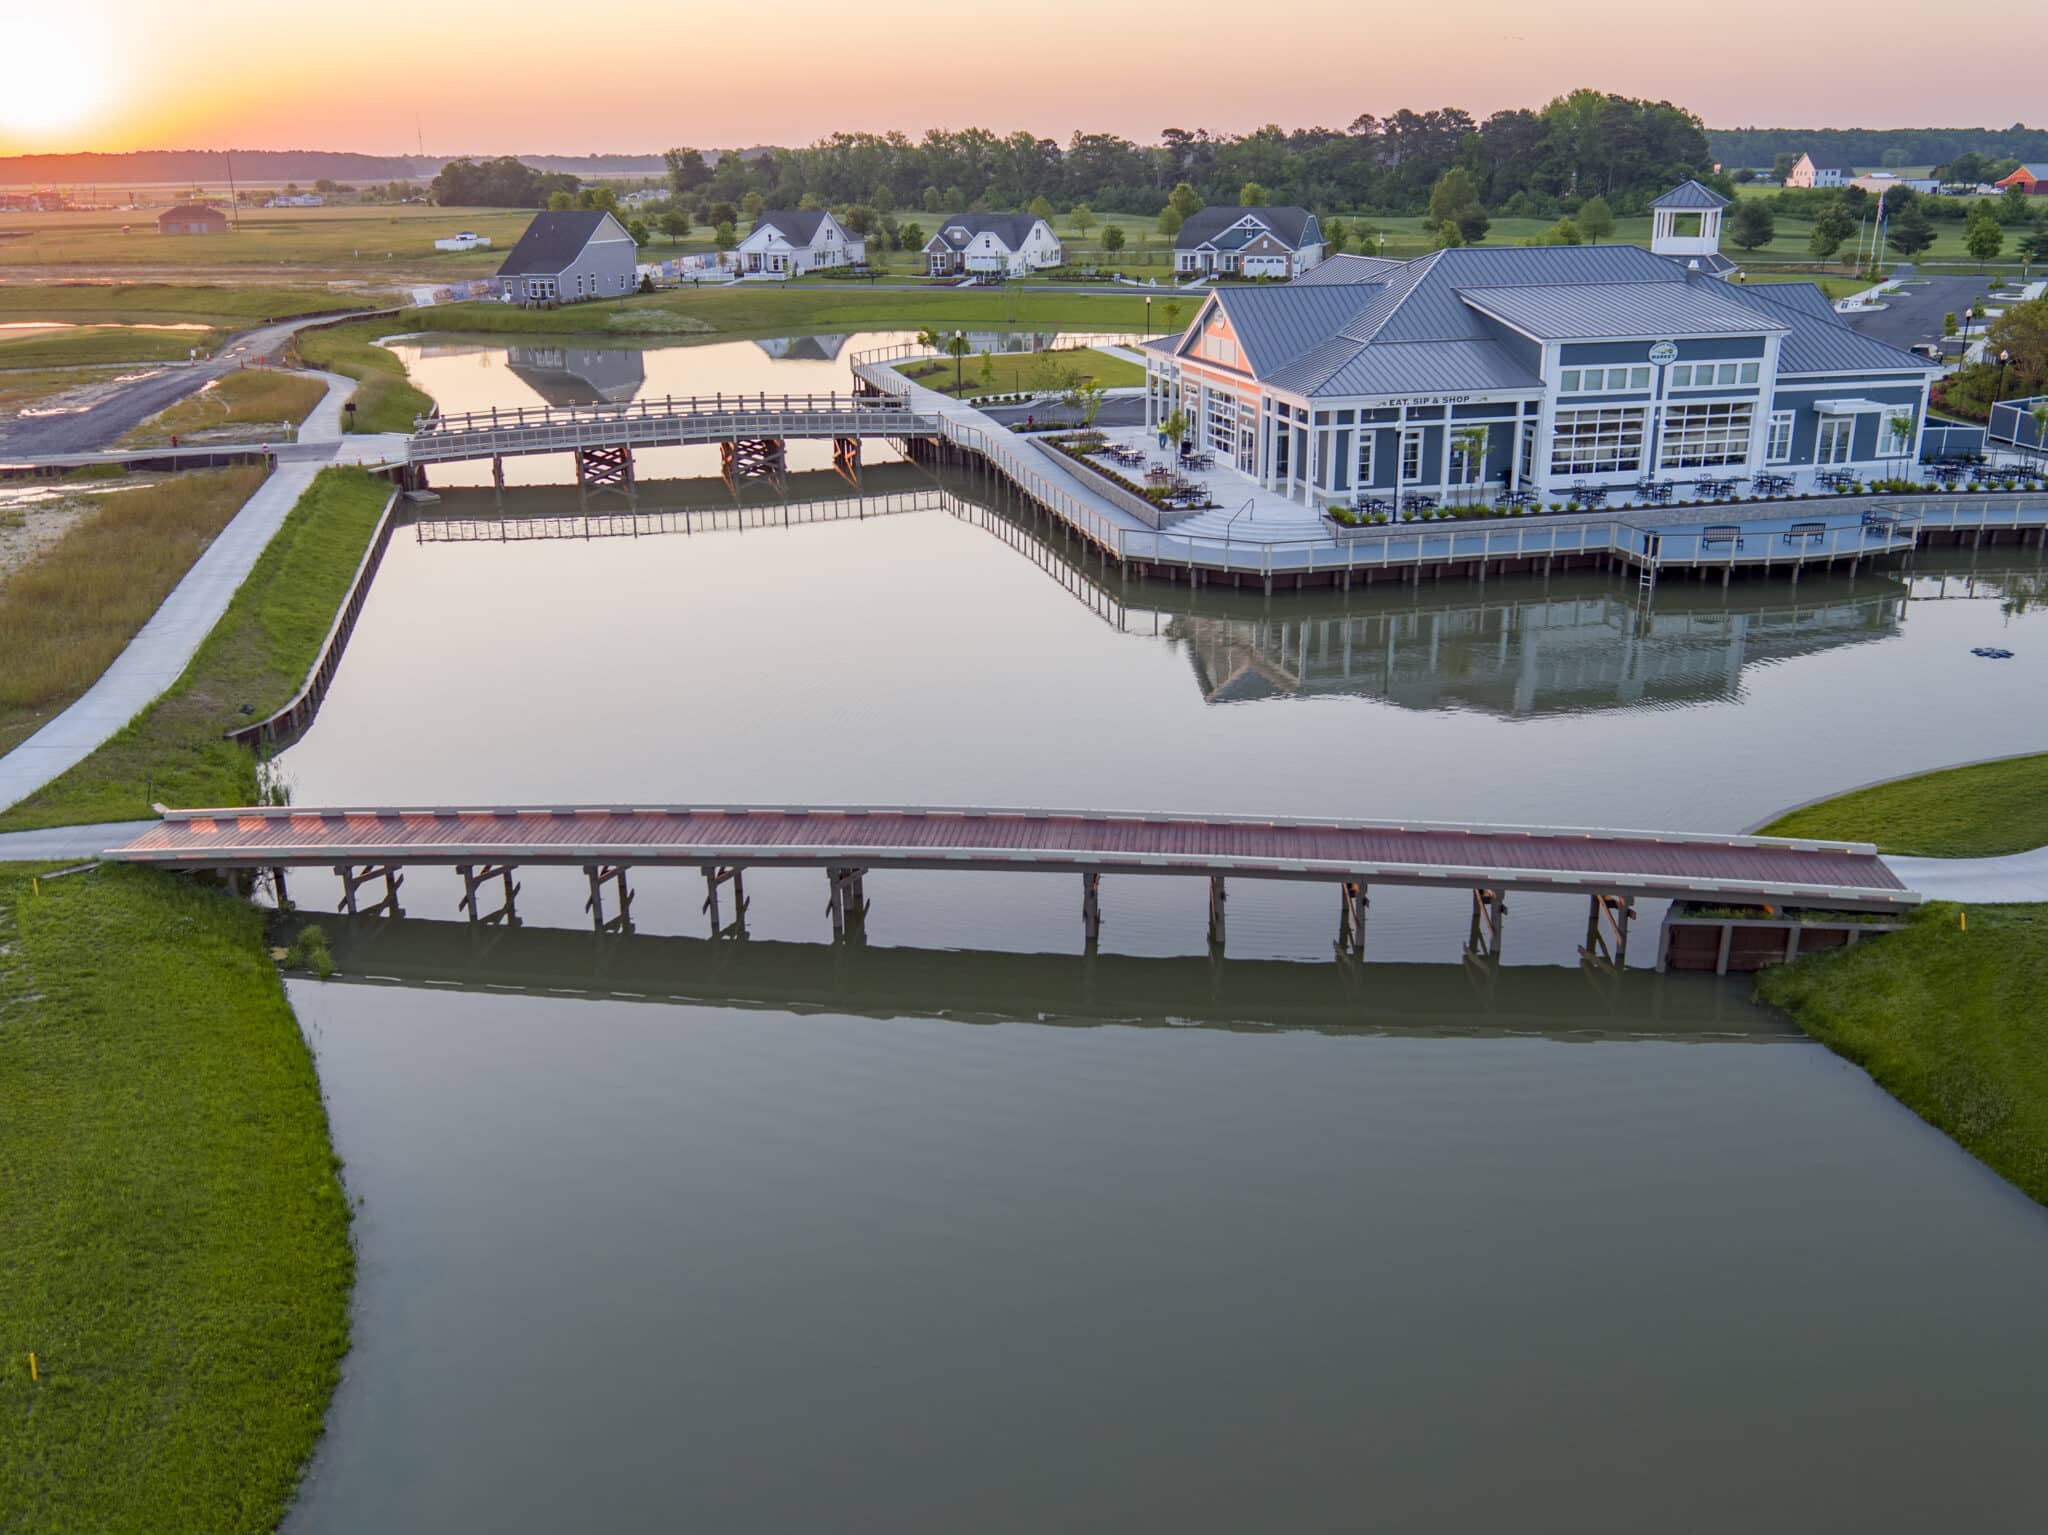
(1091, 907)
(847, 905)
(1217, 897)
(1351, 918)
(599, 875)
(714, 876)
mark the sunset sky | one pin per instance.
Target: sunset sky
(513, 76)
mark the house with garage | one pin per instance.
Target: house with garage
(1003, 244)
(569, 256)
(1534, 369)
(1809, 172)
(788, 242)
(1248, 242)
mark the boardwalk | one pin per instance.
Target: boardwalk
(1621, 864)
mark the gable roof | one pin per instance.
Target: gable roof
(554, 240)
(1691, 194)
(1581, 311)
(1289, 224)
(188, 211)
(1829, 165)
(1822, 342)
(2031, 171)
(1010, 229)
(799, 226)
(1337, 270)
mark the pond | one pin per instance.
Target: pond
(971, 1227)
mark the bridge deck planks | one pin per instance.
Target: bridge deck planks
(1433, 854)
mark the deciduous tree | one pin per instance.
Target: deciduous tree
(1595, 219)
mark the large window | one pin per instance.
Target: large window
(1779, 448)
(1594, 380)
(1222, 422)
(1468, 454)
(1837, 439)
(1365, 437)
(1713, 375)
(1219, 347)
(1705, 436)
(1597, 441)
(1411, 455)
(1898, 433)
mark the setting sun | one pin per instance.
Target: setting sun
(60, 75)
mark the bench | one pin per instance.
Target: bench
(1806, 532)
(1721, 534)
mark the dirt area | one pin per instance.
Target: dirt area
(32, 519)
(62, 391)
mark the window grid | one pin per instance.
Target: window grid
(1411, 455)
(1837, 440)
(1595, 380)
(1365, 437)
(1779, 449)
(1713, 375)
(1705, 436)
(1597, 441)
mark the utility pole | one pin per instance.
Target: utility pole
(234, 197)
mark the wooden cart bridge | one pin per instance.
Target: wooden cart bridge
(487, 844)
(750, 431)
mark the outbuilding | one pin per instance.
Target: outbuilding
(192, 219)
(568, 256)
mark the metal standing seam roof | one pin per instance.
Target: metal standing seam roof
(1422, 367)
(1558, 312)
(801, 836)
(553, 241)
(1333, 271)
(1821, 342)
(1274, 325)
(1691, 195)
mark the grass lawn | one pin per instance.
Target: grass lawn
(1834, 287)
(1966, 812)
(1949, 1020)
(258, 655)
(1011, 373)
(158, 303)
(66, 615)
(385, 401)
(80, 344)
(174, 1242)
(246, 397)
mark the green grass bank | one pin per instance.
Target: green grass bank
(1949, 1016)
(385, 400)
(1982, 811)
(258, 655)
(174, 1242)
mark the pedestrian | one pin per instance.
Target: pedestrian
(174, 439)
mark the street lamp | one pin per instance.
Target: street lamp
(1148, 314)
(959, 351)
(2004, 363)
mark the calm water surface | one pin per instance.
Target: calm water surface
(970, 1229)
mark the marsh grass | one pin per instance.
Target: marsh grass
(67, 615)
(257, 655)
(245, 397)
(174, 1242)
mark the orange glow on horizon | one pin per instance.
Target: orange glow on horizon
(514, 76)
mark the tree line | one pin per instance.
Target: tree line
(1519, 162)
(1891, 148)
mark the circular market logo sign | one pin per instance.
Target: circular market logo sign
(1664, 353)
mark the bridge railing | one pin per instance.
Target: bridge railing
(667, 407)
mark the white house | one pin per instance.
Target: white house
(792, 241)
(1809, 172)
(1248, 242)
(298, 200)
(1013, 244)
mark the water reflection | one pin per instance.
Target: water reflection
(578, 375)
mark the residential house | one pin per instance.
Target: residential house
(789, 242)
(563, 257)
(1009, 244)
(1809, 172)
(1538, 368)
(2031, 179)
(1248, 242)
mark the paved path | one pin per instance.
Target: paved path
(102, 424)
(68, 841)
(1913, 315)
(164, 646)
(2016, 877)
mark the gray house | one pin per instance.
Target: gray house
(564, 257)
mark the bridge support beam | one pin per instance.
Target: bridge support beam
(498, 470)
(847, 905)
(355, 876)
(277, 889)
(1351, 919)
(600, 875)
(846, 459)
(1489, 917)
(1608, 918)
(1218, 896)
(1091, 908)
(715, 877)
(474, 877)
(753, 458)
(604, 469)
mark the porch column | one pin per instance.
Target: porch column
(1400, 456)
(1314, 455)
(1515, 451)
(1443, 481)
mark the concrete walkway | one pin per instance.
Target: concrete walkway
(163, 647)
(68, 841)
(2015, 877)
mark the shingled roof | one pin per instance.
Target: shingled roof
(799, 226)
(1288, 224)
(553, 241)
(1012, 229)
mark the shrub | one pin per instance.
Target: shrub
(309, 952)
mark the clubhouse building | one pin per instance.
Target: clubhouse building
(1474, 371)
